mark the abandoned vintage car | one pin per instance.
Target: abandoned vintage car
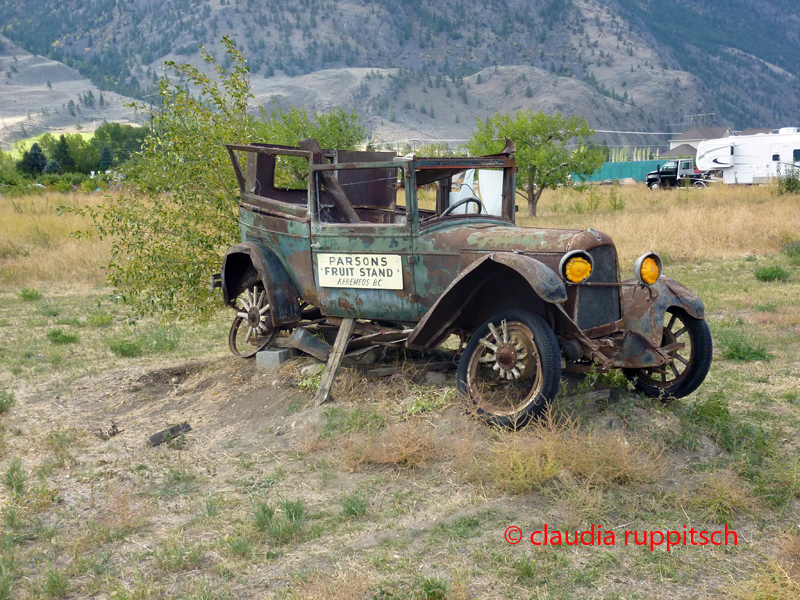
(420, 249)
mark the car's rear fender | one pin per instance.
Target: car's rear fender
(245, 265)
(493, 283)
(644, 308)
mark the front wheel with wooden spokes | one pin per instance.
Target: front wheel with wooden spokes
(688, 341)
(510, 369)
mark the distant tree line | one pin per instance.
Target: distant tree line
(112, 145)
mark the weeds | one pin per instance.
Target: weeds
(343, 421)
(518, 462)
(126, 348)
(773, 273)
(29, 294)
(722, 496)
(354, 504)
(615, 201)
(401, 444)
(14, 478)
(792, 252)
(430, 399)
(239, 546)
(430, 588)
(6, 401)
(738, 346)
(99, 320)
(281, 524)
(60, 337)
(175, 555)
(55, 584)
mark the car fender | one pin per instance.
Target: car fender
(245, 265)
(517, 281)
(644, 307)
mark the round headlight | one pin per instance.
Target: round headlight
(576, 266)
(647, 268)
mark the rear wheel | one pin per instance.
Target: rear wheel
(699, 184)
(251, 330)
(510, 369)
(690, 346)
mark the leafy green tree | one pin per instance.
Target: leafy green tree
(85, 155)
(171, 228)
(106, 159)
(122, 139)
(550, 149)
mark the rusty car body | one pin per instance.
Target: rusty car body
(327, 235)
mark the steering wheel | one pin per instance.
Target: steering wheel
(461, 202)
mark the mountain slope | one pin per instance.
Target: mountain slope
(653, 63)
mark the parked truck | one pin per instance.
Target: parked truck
(677, 173)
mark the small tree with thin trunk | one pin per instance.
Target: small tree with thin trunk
(550, 149)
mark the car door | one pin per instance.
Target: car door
(364, 269)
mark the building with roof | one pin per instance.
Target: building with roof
(696, 135)
(682, 151)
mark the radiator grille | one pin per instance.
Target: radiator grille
(599, 305)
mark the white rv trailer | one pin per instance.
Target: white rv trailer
(751, 158)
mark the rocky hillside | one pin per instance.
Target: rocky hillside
(626, 65)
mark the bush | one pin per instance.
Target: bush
(773, 273)
(789, 180)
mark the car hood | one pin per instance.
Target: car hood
(487, 237)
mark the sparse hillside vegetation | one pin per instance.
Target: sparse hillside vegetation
(621, 50)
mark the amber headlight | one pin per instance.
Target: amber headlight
(576, 266)
(647, 268)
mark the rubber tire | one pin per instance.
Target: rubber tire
(549, 354)
(702, 351)
(655, 186)
(699, 185)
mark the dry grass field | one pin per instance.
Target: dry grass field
(392, 492)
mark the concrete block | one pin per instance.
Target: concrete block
(274, 357)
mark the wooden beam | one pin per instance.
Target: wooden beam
(334, 361)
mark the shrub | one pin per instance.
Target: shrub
(773, 273)
(789, 180)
